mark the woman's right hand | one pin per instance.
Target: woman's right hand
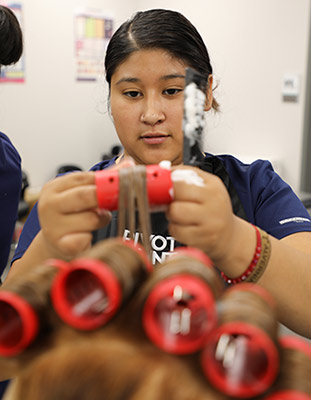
(68, 213)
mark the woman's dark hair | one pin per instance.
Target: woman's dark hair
(11, 37)
(158, 29)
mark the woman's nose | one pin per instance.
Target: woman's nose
(152, 112)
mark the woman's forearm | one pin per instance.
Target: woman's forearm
(287, 275)
(288, 278)
(36, 253)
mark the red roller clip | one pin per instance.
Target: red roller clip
(18, 324)
(296, 343)
(159, 187)
(240, 360)
(140, 251)
(293, 390)
(107, 189)
(87, 295)
(179, 313)
(256, 289)
(288, 395)
(57, 263)
(194, 253)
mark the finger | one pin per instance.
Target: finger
(77, 199)
(86, 221)
(189, 183)
(186, 192)
(70, 180)
(212, 191)
(190, 235)
(193, 235)
(104, 217)
(74, 243)
(184, 213)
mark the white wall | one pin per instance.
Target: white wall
(252, 44)
(52, 119)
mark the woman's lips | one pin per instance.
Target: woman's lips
(154, 138)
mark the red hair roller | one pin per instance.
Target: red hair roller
(300, 345)
(18, 324)
(195, 253)
(19, 319)
(295, 343)
(87, 295)
(240, 359)
(254, 288)
(159, 187)
(179, 313)
(140, 251)
(288, 395)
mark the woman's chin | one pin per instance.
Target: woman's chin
(163, 157)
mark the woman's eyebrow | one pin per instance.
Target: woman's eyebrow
(127, 80)
(163, 78)
(172, 76)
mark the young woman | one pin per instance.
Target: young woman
(145, 69)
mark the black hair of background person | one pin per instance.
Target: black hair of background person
(11, 37)
(11, 49)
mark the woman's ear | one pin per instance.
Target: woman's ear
(209, 94)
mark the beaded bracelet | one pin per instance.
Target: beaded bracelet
(263, 259)
(259, 262)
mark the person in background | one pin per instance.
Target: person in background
(11, 49)
(11, 43)
(244, 217)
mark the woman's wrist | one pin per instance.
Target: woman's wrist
(37, 253)
(240, 251)
(259, 262)
(26, 262)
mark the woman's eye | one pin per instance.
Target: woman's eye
(132, 93)
(172, 91)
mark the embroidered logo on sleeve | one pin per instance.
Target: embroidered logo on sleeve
(298, 220)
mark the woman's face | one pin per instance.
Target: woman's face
(147, 106)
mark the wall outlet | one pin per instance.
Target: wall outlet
(290, 87)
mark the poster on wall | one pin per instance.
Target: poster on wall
(14, 73)
(93, 30)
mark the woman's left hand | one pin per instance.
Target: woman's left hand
(201, 215)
